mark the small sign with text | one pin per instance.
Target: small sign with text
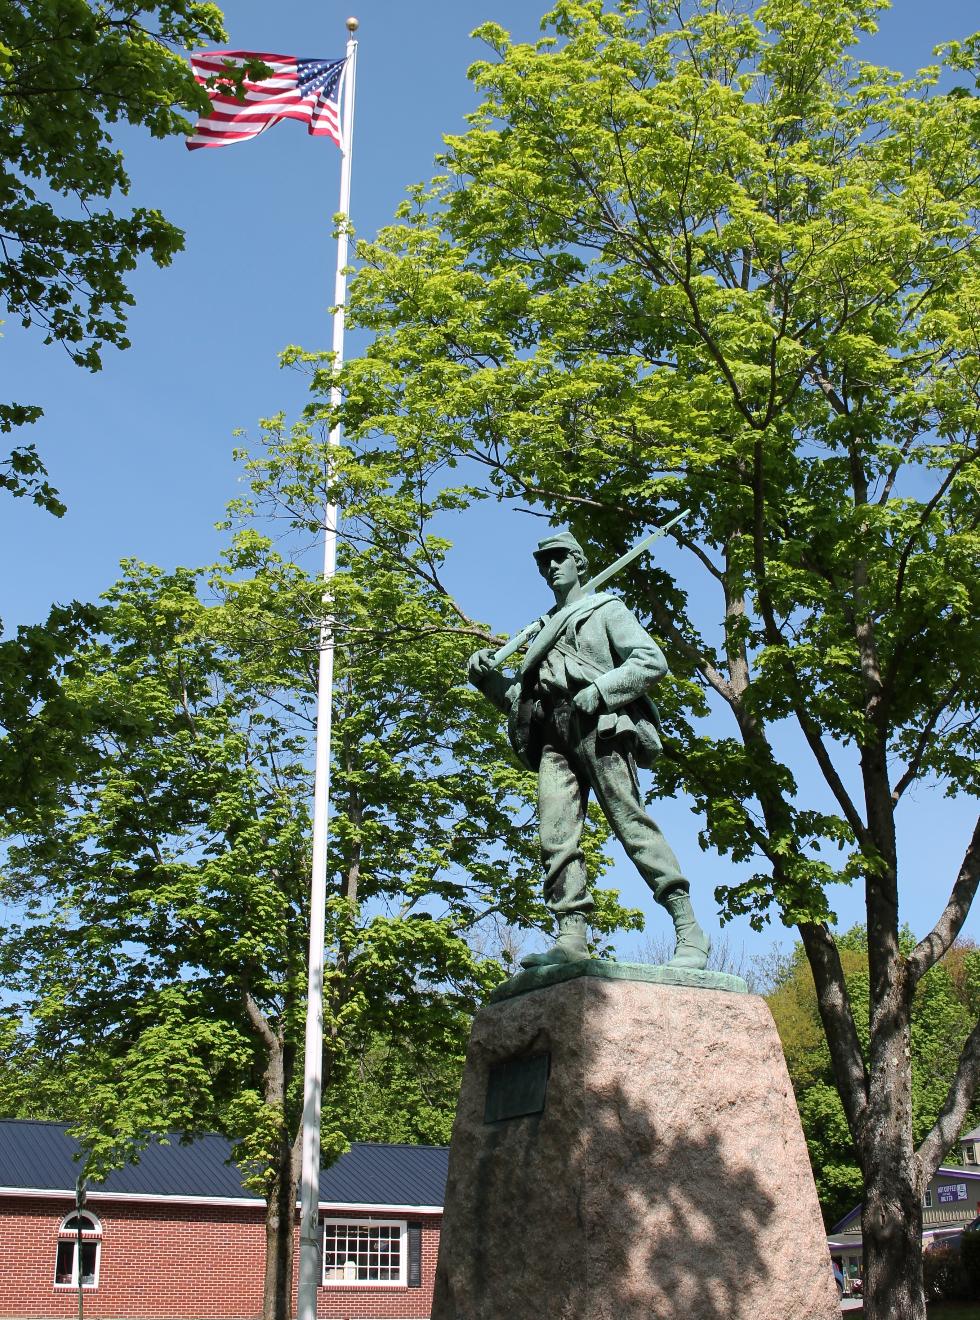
(951, 1192)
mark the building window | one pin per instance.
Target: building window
(927, 1198)
(66, 1259)
(969, 1153)
(371, 1251)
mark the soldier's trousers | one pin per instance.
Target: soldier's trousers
(574, 762)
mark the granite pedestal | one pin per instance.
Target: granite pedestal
(629, 1150)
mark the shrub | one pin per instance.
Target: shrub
(944, 1275)
(970, 1260)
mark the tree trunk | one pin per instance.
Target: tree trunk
(280, 1221)
(891, 1216)
(891, 1224)
(280, 1204)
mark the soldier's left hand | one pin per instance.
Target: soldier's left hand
(479, 665)
(588, 700)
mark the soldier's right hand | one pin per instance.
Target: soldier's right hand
(479, 666)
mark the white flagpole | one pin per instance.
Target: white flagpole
(310, 1257)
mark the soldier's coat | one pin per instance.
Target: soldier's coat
(601, 642)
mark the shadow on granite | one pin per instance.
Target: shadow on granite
(661, 1173)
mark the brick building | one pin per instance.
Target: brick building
(177, 1237)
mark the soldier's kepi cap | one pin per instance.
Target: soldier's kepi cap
(561, 541)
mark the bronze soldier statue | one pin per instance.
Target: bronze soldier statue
(579, 714)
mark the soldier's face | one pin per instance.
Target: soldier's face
(558, 568)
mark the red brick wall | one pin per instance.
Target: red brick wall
(373, 1302)
(176, 1262)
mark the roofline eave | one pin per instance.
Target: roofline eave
(256, 1202)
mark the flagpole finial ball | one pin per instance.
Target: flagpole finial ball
(353, 24)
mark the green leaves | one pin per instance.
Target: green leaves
(703, 256)
(154, 787)
(692, 258)
(22, 473)
(68, 71)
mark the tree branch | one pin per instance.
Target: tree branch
(922, 742)
(829, 771)
(838, 1021)
(946, 1128)
(927, 510)
(711, 674)
(939, 940)
(260, 1022)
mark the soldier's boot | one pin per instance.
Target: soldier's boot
(693, 945)
(571, 946)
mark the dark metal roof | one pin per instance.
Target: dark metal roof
(37, 1156)
(387, 1175)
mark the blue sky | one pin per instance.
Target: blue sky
(142, 451)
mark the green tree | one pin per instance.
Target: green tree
(943, 1010)
(162, 877)
(69, 71)
(404, 1089)
(700, 255)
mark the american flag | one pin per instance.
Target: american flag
(296, 89)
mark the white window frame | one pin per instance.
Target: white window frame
(927, 1199)
(400, 1224)
(969, 1152)
(66, 1234)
